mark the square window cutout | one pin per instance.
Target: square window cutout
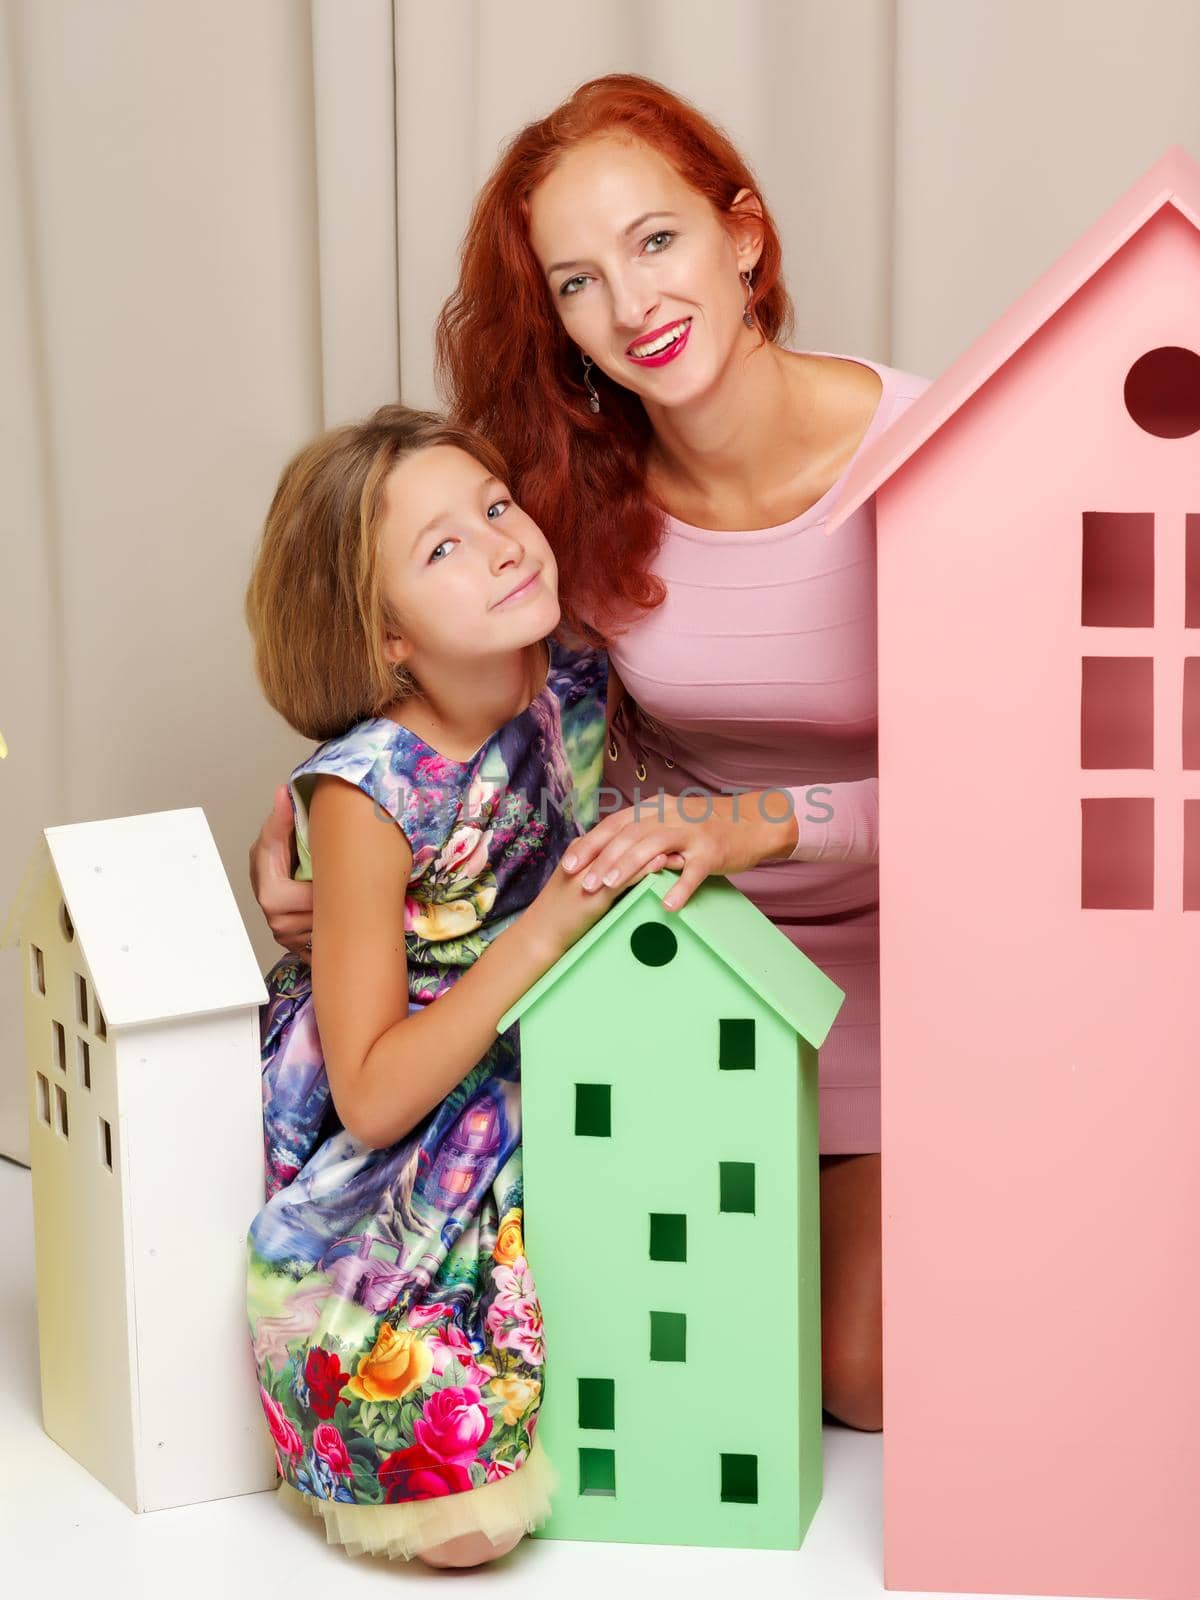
(593, 1110)
(739, 1479)
(597, 1471)
(668, 1236)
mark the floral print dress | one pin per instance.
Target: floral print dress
(394, 1320)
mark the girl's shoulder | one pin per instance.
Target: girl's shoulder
(403, 777)
(579, 681)
(576, 669)
(577, 672)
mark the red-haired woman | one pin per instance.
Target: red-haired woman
(618, 332)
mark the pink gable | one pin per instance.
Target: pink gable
(1039, 605)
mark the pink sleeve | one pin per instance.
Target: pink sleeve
(837, 821)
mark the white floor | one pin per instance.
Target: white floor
(66, 1534)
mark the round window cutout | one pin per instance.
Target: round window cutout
(653, 944)
(1162, 392)
(64, 921)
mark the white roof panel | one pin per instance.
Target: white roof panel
(155, 917)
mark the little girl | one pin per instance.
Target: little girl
(403, 611)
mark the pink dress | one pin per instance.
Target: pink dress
(758, 672)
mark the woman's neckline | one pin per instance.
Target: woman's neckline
(399, 727)
(819, 510)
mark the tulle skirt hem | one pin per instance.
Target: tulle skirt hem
(519, 1502)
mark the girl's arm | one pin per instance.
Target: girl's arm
(387, 1070)
(285, 902)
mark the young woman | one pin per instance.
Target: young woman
(619, 332)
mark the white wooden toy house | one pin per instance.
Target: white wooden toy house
(142, 1044)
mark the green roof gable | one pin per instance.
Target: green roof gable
(740, 936)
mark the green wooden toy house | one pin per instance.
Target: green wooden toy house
(669, 1123)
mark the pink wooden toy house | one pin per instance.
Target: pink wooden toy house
(1039, 713)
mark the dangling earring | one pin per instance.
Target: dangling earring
(747, 314)
(593, 397)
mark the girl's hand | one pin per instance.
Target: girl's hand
(564, 911)
(286, 904)
(736, 833)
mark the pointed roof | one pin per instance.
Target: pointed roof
(155, 917)
(1173, 180)
(740, 936)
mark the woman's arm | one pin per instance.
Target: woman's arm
(702, 834)
(388, 1069)
(837, 822)
(285, 903)
(720, 833)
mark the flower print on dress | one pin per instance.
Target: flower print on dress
(398, 1363)
(324, 1378)
(451, 1344)
(284, 1434)
(517, 1394)
(329, 1445)
(515, 1317)
(453, 1424)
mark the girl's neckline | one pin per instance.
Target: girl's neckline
(398, 727)
(819, 510)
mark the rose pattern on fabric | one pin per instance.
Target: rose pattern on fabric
(331, 1447)
(509, 1241)
(399, 1363)
(323, 1377)
(393, 1314)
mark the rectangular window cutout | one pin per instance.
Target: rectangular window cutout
(60, 1047)
(737, 1044)
(668, 1336)
(739, 1479)
(84, 1056)
(1191, 604)
(597, 1471)
(81, 1000)
(668, 1236)
(43, 1098)
(1191, 855)
(37, 969)
(1118, 855)
(597, 1403)
(593, 1110)
(106, 1153)
(1191, 713)
(1117, 712)
(101, 1025)
(737, 1186)
(60, 1104)
(1118, 569)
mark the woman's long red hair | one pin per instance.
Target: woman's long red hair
(509, 371)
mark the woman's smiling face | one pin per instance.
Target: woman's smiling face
(643, 272)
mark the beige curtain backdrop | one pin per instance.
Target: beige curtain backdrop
(223, 226)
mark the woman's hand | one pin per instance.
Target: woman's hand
(564, 911)
(734, 833)
(286, 904)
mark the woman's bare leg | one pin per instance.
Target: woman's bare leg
(851, 1290)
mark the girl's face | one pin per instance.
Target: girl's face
(467, 572)
(642, 271)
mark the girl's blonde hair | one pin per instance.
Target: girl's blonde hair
(315, 604)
